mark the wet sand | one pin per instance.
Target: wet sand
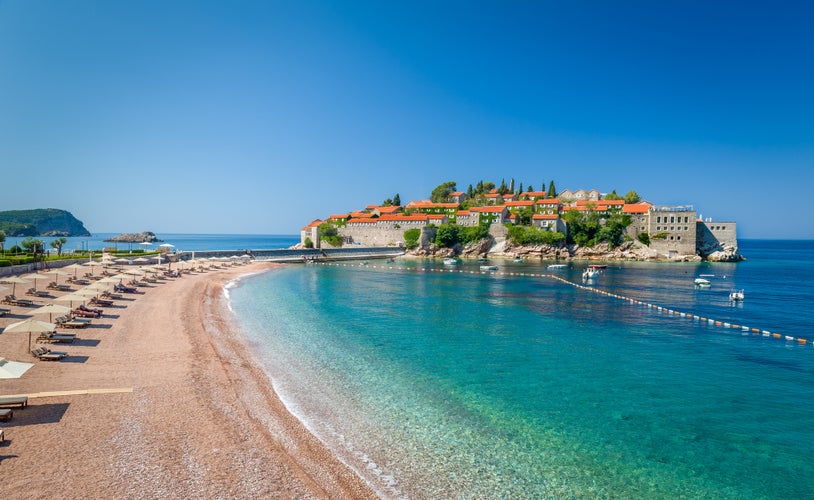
(161, 399)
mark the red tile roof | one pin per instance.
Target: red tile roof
(361, 220)
(401, 217)
(545, 216)
(521, 203)
(463, 212)
(338, 216)
(496, 208)
(636, 208)
(549, 201)
(314, 223)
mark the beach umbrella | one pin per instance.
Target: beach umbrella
(34, 277)
(57, 273)
(121, 260)
(167, 245)
(51, 309)
(30, 326)
(13, 369)
(72, 297)
(141, 260)
(75, 268)
(14, 280)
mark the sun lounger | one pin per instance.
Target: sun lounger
(78, 281)
(21, 401)
(114, 296)
(59, 287)
(68, 322)
(85, 314)
(6, 414)
(125, 289)
(46, 354)
(3, 312)
(11, 299)
(64, 338)
(83, 307)
(101, 302)
(37, 293)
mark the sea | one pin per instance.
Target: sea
(179, 242)
(434, 381)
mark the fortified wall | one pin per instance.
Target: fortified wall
(374, 236)
(715, 237)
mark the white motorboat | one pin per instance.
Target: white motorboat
(557, 266)
(590, 274)
(702, 282)
(488, 268)
(736, 295)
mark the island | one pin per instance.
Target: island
(546, 224)
(41, 222)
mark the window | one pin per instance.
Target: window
(678, 237)
(672, 228)
(686, 219)
(672, 219)
(658, 220)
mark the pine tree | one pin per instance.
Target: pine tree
(397, 200)
(552, 191)
(520, 191)
(511, 186)
(470, 193)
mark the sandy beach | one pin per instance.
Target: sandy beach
(158, 398)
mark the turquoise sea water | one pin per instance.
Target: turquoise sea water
(456, 385)
(181, 242)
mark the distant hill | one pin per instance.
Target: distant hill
(41, 222)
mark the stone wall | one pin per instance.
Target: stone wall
(374, 236)
(716, 237)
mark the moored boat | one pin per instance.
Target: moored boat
(488, 268)
(736, 295)
(702, 282)
(449, 261)
(557, 266)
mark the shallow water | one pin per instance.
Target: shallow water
(437, 384)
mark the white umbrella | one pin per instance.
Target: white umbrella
(72, 297)
(50, 309)
(35, 277)
(30, 326)
(14, 280)
(167, 245)
(141, 260)
(13, 369)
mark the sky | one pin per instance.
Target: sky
(242, 117)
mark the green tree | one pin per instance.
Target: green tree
(519, 191)
(471, 234)
(330, 234)
(511, 186)
(632, 197)
(470, 193)
(2, 241)
(552, 191)
(308, 243)
(530, 189)
(524, 216)
(523, 235)
(644, 238)
(488, 186)
(32, 245)
(397, 200)
(447, 235)
(503, 189)
(479, 188)
(411, 237)
(441, 193)
(388, 202)
(613, 196)
(58, 243)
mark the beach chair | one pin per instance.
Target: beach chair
(83, 307)
(68, 322)
(62, 338)
(101, 302)
(6, 414)
(58, 286)
(11, 299)
(114, 296)
(37, 293)
(85, 314)
(3, 311)
(46, 354)
(21, 401)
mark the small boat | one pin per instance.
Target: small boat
(488, 268)
(557, 266)
(736, 295)
(702, 282)
(590, 274)
(483, 259)
(518, 260)
(598, 266)
(449, 261)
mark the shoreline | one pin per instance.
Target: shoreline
(162, 398)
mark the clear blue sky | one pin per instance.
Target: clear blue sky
(258, 117)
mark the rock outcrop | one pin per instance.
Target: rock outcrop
(41, 222)
(143, 236)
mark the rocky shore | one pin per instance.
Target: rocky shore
(627, 251)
